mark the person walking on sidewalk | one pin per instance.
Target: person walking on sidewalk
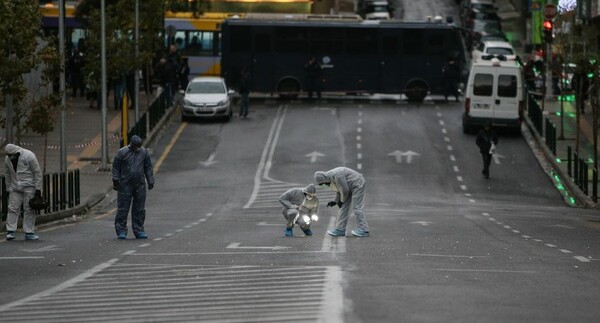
(487, 141)
(23, 183)
(349, 186)
(132, 169)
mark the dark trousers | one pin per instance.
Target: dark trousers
(244, 104)
(134, 197)
(312, 84)
(487, 160)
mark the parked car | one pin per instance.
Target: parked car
(207, 97)
(494, 48)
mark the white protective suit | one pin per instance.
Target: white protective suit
(21, 185)
(295, 204)
(349, 186)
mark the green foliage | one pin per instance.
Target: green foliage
(23, 50)
(120, 40)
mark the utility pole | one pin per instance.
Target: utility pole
(136, 91)
(104, 165)
(62, 87)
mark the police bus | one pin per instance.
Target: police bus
(355, 55)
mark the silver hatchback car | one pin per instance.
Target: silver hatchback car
(207, 97)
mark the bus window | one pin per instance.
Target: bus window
(413, 42)
(483, 84)
(200, 43)
(262, 43)
(241, 40)
(389, 45)
(435, 44)
(360, 41)
(290, 40)
(326, 40)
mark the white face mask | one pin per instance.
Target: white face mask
(308, 197)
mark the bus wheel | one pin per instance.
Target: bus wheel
(416, 91)
(288, 88)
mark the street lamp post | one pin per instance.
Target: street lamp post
(104, 165)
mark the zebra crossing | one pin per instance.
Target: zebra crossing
(270, 191)
(177, 293)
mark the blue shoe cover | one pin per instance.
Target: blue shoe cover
(122, 235)
(141, 235)
(336, 232)
(360, 233)
(307, 232)
(289, 232)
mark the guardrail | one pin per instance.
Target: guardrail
(61, 190)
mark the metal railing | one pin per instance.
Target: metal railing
(61, 190)
(150, 118)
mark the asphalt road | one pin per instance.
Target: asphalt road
(446, 244)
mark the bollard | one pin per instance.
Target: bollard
(576, 169)
(46, 191)
(55, 190)
(595, 184)
(569, 161)
(4, 201)
(63, 190)
(77, 187)
(71, 190)
(585, 177)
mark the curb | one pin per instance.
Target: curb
(548, 163)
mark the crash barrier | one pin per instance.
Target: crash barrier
(150, 118)
(61, 190)
(579, 170)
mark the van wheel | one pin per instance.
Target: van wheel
(416, 91)
(288, 88)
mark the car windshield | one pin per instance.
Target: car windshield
(205, 88)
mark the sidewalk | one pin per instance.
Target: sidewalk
(83, 138)
(513, 23)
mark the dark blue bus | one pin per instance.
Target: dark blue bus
(356, 56)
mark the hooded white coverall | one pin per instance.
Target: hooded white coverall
(349, 186)
(21, 185)
(303, 206)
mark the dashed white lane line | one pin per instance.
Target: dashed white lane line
(359, 156)
(359, 129)
(358, 138)
(144, 245)
(358, 145)
(446, 139)
(463, 187)
(456, 170)
(526, 237)
(472, 201)
(452, 158)
(459, 178)
(449, 147)
(441, 122)
(444, 131)
(359, 166)
(582, 259)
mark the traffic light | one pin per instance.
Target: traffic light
(548, 30)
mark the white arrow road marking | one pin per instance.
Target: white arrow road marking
(42, 249)
(211, 160)
(497, 158)
(423, 223)
(236, 245)
(409, 155)
(314, 155)
(269, 224)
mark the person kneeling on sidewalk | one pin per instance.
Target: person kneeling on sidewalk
(301, 206)
(23, 183)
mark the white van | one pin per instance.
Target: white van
(494, 94)
(377, 10)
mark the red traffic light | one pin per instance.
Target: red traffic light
(547, 25)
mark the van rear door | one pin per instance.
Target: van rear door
(506, 95)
